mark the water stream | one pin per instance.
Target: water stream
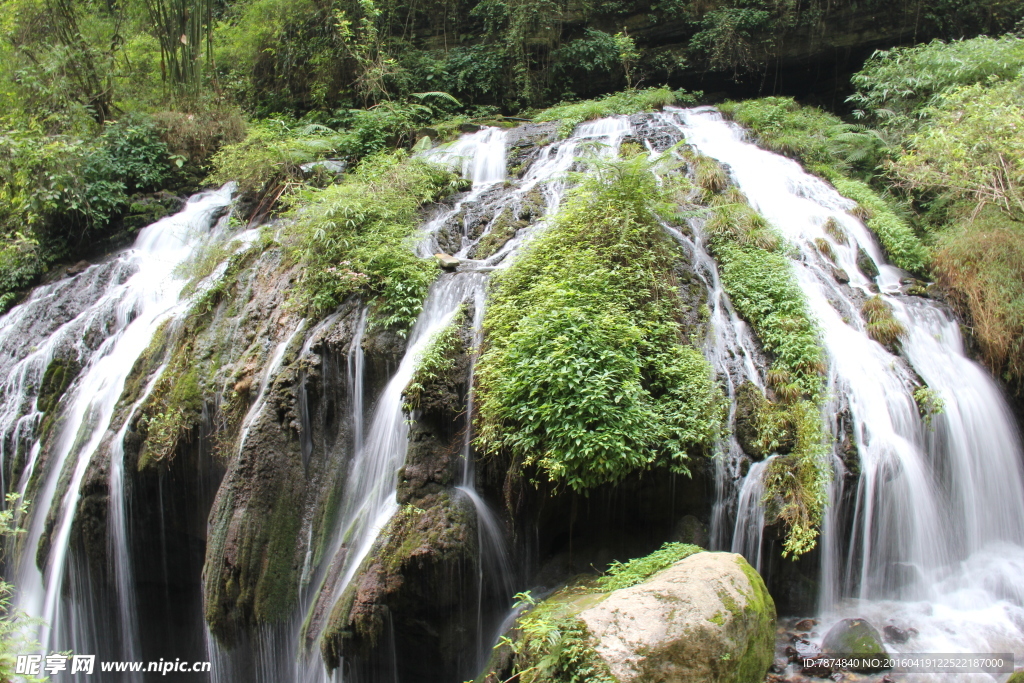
(936, 527)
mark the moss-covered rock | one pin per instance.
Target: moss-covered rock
(407, 577)
(854, 638)
(706, 618)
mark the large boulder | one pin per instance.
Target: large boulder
(705, 619)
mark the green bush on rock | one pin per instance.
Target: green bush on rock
(584, 376)
(357, 237)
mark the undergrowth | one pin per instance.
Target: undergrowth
(584, 378)
(357, 237)
(638, 570)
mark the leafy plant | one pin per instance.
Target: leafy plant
(638, 570)
(583, 377)
(571, 114)
(357, 237)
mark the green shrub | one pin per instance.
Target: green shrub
(583, 377)
(357, 237)
(896, 87)
(759, 279)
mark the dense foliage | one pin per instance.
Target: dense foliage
(356, 237)
(585, 377)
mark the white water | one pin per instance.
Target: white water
(938, 521)
(125, 310)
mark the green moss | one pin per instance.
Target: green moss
(882, 325)
(276, 587)
(583, 376)
(760, 611)
(57, 377)
(502, 230)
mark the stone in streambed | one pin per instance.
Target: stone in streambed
(447, 262)
(854, 638)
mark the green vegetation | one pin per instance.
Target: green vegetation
(882, 326)
(15, 625)
(638, 570)
(929, 403)
(898, 87)
(555, 648)
(584, 377)
(435, 362)
(571, 114)
(756, 272)
(356, 237)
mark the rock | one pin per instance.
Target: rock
(327, 167)
(895, 634)
(77, 268)
(866, 264)
(819, 668)
(426, 133)
(840, 275)
(690, 530)
(447, 262)
(854, 637)
(805, 624)
(1016, 677)
(469, 127)
(708, 618)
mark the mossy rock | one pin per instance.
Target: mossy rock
(1017, 677)
(708, 618)
(854, 638)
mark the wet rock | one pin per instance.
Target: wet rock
(690, 530)
(469, 127)
(819, 668)
(75, 269)
(895, 634)
(426, 133)
(706, 618)
(840, 275)
(805, 624)
(447, 262)
(854, 638)
(328, 167)
(866, 264)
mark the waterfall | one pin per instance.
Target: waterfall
(102, 320)
(936, 527)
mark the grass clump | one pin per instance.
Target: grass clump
(624, 575)
(434, 363)
(571, 114)
(882, 326)
(584, 376)
(357, 237)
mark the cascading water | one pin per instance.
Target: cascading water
(936, 539)
(101, 320)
